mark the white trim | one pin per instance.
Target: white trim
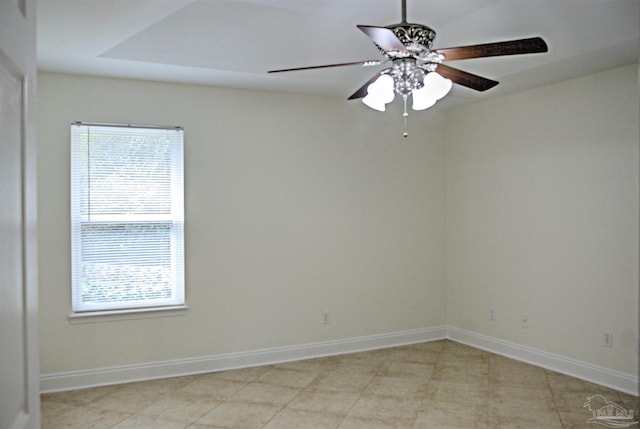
(617, 380)
(154, 370)
(127, 314)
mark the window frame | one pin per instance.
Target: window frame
(173, 222)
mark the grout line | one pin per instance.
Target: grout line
(553, 397)
(361, 391)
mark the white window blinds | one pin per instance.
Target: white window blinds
(127, 217)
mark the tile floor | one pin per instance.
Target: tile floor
(439, 384)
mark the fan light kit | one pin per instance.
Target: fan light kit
(417, 70)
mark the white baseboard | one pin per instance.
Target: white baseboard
(154, 370)
(596, 374)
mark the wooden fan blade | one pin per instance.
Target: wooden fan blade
(362, 91)
(464, 78)
(533, 45)
(367, 63)
(384, 38)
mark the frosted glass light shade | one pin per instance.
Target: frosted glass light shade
(422, 99)
(435, 87)
(379, 93)
(438, 85)
(374, 103)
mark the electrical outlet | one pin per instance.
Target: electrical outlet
(607, 339)
(524, 321)
(492, 314)
(325, 318)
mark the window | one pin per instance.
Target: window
(127, 217)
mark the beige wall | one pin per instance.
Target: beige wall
(542, 217)
(295, 205)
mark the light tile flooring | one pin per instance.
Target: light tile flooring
(439, 384)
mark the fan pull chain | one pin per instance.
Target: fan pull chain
(404, 116)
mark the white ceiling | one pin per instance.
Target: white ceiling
(232, 43)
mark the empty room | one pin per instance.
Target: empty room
(336, 214)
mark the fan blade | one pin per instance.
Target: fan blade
(362, 91)
(533, 45)
(464, 78)
(384, 38)
(367, 63)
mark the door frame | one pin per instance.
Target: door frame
(18, 59)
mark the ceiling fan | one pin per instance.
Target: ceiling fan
(418, 70)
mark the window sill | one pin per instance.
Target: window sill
(128, 314)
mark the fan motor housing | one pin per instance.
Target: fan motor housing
(417, 38)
